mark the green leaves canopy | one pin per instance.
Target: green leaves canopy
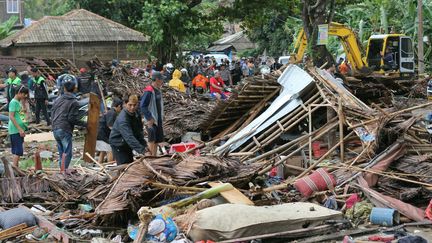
(6, 27)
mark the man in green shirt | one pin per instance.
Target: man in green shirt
(17, 124)
(12, 83)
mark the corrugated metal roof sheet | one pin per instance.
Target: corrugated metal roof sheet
(77, 26)
(229, 39)
(219, 47)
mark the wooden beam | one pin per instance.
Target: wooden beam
(233, 195)
(18, 232)
(92, 127)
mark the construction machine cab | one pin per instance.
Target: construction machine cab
(386, 54)
(390, 53)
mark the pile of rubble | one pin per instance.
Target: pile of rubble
(299, 143)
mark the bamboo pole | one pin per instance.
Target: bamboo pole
(284, 120)
(383, 174)
(285, 146)
(360, 155)
(393, 148)
(310, 132)
(323, 157)
(99, 164)
(320, 134)
(293, 122)
(282, 186)
(341, 127)
(391, 114)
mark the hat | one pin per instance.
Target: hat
(11, 69)
(83, 70)
(156, 76)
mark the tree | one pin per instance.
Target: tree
(271, 24)
(6, 27)
(172, 25)
(36, 9)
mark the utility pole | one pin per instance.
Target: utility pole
(420, 50)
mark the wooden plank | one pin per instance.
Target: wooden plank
(92, 127)
(233, 196)
(18, 233)
(12, 229)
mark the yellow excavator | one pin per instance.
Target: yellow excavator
(389, 54)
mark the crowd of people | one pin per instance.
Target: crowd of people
(122, 124)
(206, 75)
(120, 129)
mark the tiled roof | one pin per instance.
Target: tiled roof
(77, 26)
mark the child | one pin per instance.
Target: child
(17, 124)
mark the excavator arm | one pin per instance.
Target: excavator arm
(349, 42)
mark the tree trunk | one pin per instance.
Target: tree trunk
(315, 13)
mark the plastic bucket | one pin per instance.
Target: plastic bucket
(384, 216)
(320, 180)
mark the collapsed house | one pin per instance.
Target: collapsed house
(283, 138)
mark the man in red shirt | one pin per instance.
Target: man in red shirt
(217, 86)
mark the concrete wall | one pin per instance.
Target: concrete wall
(105, 51)
(5, 16)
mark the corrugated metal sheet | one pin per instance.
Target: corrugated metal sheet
(239, 41)
(219, 47)
(229, 39)
(77, 26)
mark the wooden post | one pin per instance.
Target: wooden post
(331, 138)
(92, 127)
(102, 96)
(341, 127)
(420, 49)
(310, 137)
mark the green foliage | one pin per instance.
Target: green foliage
(6, 27)
(399, 15)
(271, 24)
(174, 25)
(36, 9)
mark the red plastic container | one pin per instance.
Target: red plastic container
(182, 147)
(317, 150)
(318, 181)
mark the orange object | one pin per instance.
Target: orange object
(38, 163)
(200, 81)
(343, 68)
(62, 167)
